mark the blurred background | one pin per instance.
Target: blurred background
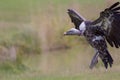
(33, 47)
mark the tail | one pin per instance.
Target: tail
(106, 59)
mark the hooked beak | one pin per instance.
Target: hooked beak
(65, 33)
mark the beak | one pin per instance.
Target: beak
(65, 33)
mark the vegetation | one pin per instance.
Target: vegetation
(32, 45)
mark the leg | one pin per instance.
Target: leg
(94, 60)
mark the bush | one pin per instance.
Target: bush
(24, 38)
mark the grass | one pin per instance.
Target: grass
(64, 65)
(38, 25)
(25, 39)
(86, 76)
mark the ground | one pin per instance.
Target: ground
(55, 62)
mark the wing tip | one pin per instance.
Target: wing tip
(74, 12)
(70, 10)
(114, 5)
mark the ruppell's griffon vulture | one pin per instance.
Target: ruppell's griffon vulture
(104, 29)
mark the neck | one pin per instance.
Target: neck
(82, 27)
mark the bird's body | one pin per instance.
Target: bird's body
(97, 41)
(105, 29)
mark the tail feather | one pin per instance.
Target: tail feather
(110, 60)
(106, 59)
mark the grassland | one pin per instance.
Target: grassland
(37, 26)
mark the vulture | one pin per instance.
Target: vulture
(105, 29)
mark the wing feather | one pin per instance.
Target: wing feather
(109, 20)
(76, 18)
(118, 8)
(114, 5)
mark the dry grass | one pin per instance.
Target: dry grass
(61, 56)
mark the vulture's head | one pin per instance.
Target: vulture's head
(80, 31)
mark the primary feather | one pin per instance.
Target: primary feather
(76, 18)
(110, 21)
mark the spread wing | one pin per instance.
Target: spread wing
(109, 20)
(76, 18)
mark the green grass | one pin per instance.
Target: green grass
(24, 38)
(90, 76)
(56, 65)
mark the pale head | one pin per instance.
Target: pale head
(72, 31)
